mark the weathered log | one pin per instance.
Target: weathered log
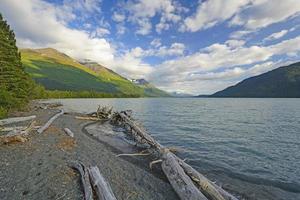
(206, 186)
(16, 120)
(16, 128)
(181, 183)
(101, 187)
(69, 132)
(176, 172)
(51, 120)
(87, 118)
(25, 131)
(85, 180)
(141, 133)
(16, 136)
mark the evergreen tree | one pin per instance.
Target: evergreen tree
(15, 83)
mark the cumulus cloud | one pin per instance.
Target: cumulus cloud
(220, 63)
(142, 11)
(36, 25)
(251, 14)
(212, 12)
(262, 13)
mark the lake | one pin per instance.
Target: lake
(250, 145)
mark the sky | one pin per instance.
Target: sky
(188, 46)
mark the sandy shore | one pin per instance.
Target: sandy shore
(39, 168)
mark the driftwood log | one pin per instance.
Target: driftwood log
(17, 135)
(186, 181)
(69, 132)
(100, 185)
(51, 120)
(181, 182)
(16, 120)
(85, 180)
(205, 185)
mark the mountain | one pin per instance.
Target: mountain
(58, 71)
(180, 94)
(281, 82)
(149, 89)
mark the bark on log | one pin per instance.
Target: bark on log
(146, 137)
(25, 131)
(16, 135)
(16, 120)
(205, 185)
(51, 120)
(16, 128)
(69, 132)
(181, 183)
(87, 118)
(85, 180)
(102, 188)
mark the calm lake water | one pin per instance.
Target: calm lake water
(250, 145)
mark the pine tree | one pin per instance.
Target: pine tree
(15, 83)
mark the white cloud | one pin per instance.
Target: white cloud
(36, 25)
(251, 14)
(262, 13)
(142, 11)
(117, 17)
(219, 65)
(276, 35)
(212, 12)
(240, 34)
(100, 32)
(175, 49)
(156, 42)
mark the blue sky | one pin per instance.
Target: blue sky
(193, 46)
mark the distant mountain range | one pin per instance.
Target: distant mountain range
(58, 71)
(278, 83)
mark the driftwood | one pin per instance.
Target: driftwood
(184, 179)
(102, 113)
(205, 185)
(181, 182)
(85, 180)
(17, 135)
(51, 120)
(87, 118)
(16, 120)
(101, 187)
(69, 132)
(16, 128)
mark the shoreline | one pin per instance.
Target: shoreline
(40, 167)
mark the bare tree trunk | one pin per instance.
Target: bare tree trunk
(85, 180)
(16, 120)
(69, 132)
(181, 183)
(102, 188)
(51, 120)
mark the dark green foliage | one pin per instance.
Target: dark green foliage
(281, 82)
(15, 83)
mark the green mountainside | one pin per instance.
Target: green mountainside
(281, 82)
(57, 71)
(15, 85)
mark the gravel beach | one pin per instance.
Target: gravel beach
(40, 167)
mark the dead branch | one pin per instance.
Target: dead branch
(51, 120)
(101, 187)
(16, 120)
